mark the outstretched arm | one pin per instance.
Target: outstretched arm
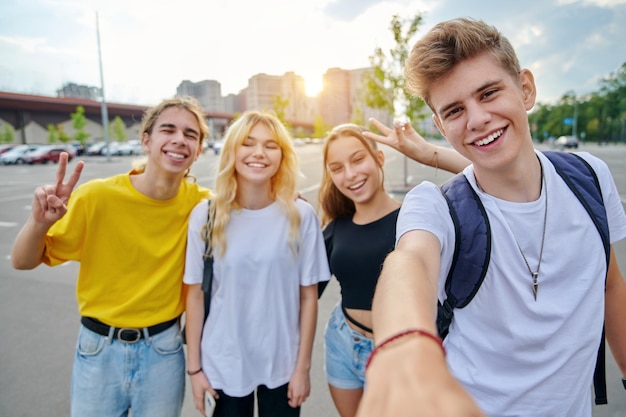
(49, 205)
(409, 376)
(402, 137)
(615, 313)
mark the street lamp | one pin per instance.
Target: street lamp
(103, 104)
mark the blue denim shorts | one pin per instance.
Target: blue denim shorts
(110, 376)
(345, 352)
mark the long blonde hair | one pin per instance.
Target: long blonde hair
(283, 183)
(332, 202)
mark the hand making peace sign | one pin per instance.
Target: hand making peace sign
(50, 201)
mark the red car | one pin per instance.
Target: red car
(51, 153)
(7, 147)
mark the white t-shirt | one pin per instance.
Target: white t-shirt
(517, 356)
(252, 335)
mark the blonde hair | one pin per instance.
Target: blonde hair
(332, 202)
(151, 115)
(449, 43)
(283, 183)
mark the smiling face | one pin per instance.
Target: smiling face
(258, 157)
(174, 141)
(353, 169)
(481, 110)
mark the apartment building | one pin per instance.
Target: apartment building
(79, 91)
(341, 100)
(208, 93)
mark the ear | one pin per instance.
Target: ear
(381, 157)
(199, 151)
(145, 142)
(439, 125)
(529, 90)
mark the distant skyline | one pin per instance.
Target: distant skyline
(150, 46)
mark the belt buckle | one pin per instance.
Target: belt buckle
(137, 333)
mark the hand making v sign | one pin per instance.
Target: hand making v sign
(49, 205)
(50, 201)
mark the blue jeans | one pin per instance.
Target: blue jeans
(110, 377)
(345, 352)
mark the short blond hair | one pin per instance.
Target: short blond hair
(449, 43)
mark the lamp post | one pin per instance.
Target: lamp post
(575, 122)
(103, 104)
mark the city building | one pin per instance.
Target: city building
(341, 99)
(79, 91)
(208, 93)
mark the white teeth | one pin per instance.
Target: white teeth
(256, 165)
(354, 187)
(176, 155)
(489, 138)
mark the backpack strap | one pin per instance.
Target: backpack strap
(207, 274)
(583, 181)
(472, 249)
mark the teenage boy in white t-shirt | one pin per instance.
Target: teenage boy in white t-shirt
(517, 349)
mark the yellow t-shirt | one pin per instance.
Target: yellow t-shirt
(131, 250)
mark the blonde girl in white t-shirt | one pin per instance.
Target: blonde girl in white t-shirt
(268, 258)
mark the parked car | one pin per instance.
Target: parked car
(49, 153)
(16, 155)
(5, 147)
(100, 148)
(80, 148)
(566, 142)
(131, 147)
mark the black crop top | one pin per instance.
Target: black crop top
(356, 254)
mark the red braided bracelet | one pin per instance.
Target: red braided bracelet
(408, 332)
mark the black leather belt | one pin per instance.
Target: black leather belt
(125, 334)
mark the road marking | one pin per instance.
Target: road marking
(8, 224)
(17, 197)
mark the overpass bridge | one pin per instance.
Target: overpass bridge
(31, 114)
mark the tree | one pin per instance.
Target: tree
(62, 134)
(384, 86)
(320, 127)
(79, 121)
(357, 117)
(598, 116)
(53, 134)
(118, 127)
(280, 105)
(8, 133)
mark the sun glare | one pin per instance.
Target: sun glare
(313, 85)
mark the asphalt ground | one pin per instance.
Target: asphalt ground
(38, 314)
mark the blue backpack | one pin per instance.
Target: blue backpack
(472, 249)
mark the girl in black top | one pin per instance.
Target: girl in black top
(359, 220)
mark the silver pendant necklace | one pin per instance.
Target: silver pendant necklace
(535, 275)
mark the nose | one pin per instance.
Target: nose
(477, 116)
(257, 150)
(178, 136)
(350, 171)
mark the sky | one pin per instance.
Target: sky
(147, 47)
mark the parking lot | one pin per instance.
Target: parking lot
(38, 308)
